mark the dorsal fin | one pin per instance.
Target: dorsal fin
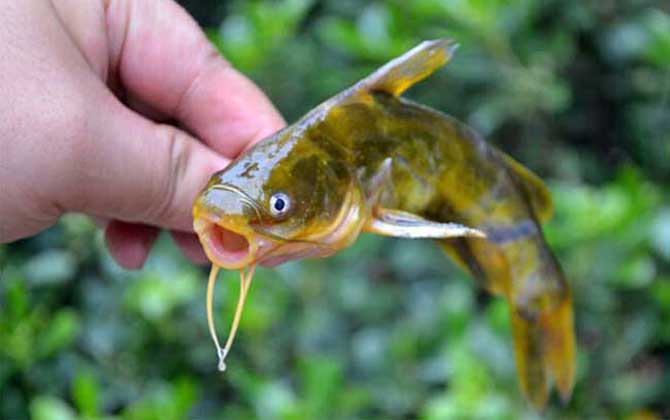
(394, 77)
(399, 74)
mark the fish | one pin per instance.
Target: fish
(369, 160)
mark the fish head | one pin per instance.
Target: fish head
(284, 199)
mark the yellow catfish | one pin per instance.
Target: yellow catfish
(367, 160)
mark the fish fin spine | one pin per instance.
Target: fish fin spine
(401, 73)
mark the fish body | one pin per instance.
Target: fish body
(369, 160)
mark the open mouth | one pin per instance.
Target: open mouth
(231, 249)
(228, 249)
(234, 249)
(225, 247)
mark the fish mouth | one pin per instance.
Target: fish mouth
(235, 248)
(227, 238)
(232, 245)
(225, 247)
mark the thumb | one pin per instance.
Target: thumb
(132, 169)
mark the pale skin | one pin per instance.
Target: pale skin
(119, 109)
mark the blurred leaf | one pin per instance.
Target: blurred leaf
(498, 316)
(50, 408)
(248, 37)
(154, 296)
(85, 394)
(636, 272)
(662, 293)
(618, 206)
(50, 267)
(658, 25)
(275, 400)
(60, 333)
(16, 299)
(321, 377)
(164, 401)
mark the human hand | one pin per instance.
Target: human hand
(89, 92)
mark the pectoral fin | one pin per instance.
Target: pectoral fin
(407, 225)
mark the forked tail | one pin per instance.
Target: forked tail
(544, 348)
(528, 275)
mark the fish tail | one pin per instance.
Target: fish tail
(543, 329)
(530, 366)
(525, 272)
(559, 342)
(544, 350)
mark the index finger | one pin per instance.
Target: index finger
(163, 58)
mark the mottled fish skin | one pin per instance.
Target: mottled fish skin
(443, 171)
(391, 153)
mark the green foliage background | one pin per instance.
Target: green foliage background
(578, 91)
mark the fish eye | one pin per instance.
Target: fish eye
(280, 204)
